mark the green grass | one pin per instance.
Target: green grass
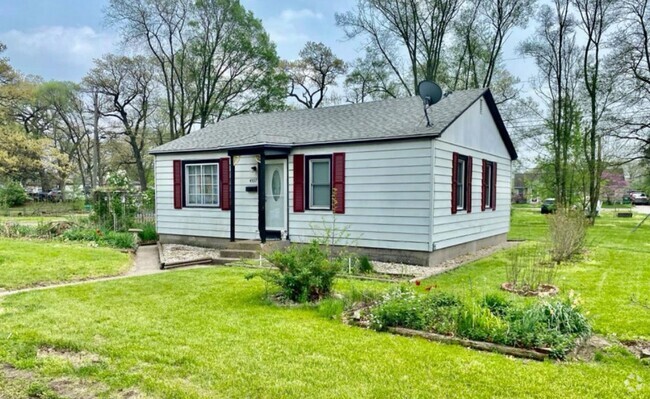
(28, 263)
(208, 333)
(613, 279)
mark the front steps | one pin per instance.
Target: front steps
(238, 251)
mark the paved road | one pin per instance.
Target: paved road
(645, 209)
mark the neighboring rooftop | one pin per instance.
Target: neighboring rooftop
(387, 119)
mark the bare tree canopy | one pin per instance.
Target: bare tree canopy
(126, 87)
(415, 27)
(313, 73)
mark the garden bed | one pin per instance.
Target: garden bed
(535, 330)
(543, 290)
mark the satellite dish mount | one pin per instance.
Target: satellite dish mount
(430, 93)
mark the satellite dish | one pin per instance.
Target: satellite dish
(430, 93)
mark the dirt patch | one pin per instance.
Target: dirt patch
(76, 359)
(639, 348)
(67, 387)
(544, 290)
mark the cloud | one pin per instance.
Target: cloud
(290, 15)
(290, 25)
(56, 52)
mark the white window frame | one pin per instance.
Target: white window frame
(186, 179)
(461, 187)
(311, 184)
(489, 175)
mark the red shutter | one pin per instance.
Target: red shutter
(494, 186)
(454, 179)
(224, 183)
(298, 183)
(338, 173)
(178, 184)
(468, 190)
(484, 185)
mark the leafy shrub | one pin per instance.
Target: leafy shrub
(305, 272)
(148, 232)
(13, 194)
(568, 233)
(492, 318)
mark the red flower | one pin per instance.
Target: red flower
(417, 282)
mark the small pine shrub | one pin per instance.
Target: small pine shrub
(364, 266)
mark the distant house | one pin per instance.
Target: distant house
(404, 191)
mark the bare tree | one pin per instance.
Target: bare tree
(313, 74)
(126, 89)
(371, 79)
(414, 27)
(556, 55)
(597, 17)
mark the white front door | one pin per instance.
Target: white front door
(276, 194)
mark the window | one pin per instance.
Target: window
(489, 185)
(202, 184)
(461, 168)
(320, 183)
(461, 183)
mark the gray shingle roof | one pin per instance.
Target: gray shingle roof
(387, 119)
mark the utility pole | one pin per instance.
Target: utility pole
(96, 175)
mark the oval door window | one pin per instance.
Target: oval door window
(276, 185)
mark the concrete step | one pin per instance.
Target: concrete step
(248, 245)
(239, 253)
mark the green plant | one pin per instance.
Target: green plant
(492, 318)
(304, 272)
(497, 303)
(331, 308)
(363, 265)
(148, 232)
(12, 194)
(115, 204)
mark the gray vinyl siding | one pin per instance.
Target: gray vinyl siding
(387, 196)
(205, 222)
(473, 134)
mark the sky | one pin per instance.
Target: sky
(58, 39)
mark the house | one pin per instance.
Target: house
(401, 190)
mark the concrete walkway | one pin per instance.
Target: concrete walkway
(145, 263)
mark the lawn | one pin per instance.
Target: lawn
(209, 333)
(28, 263)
